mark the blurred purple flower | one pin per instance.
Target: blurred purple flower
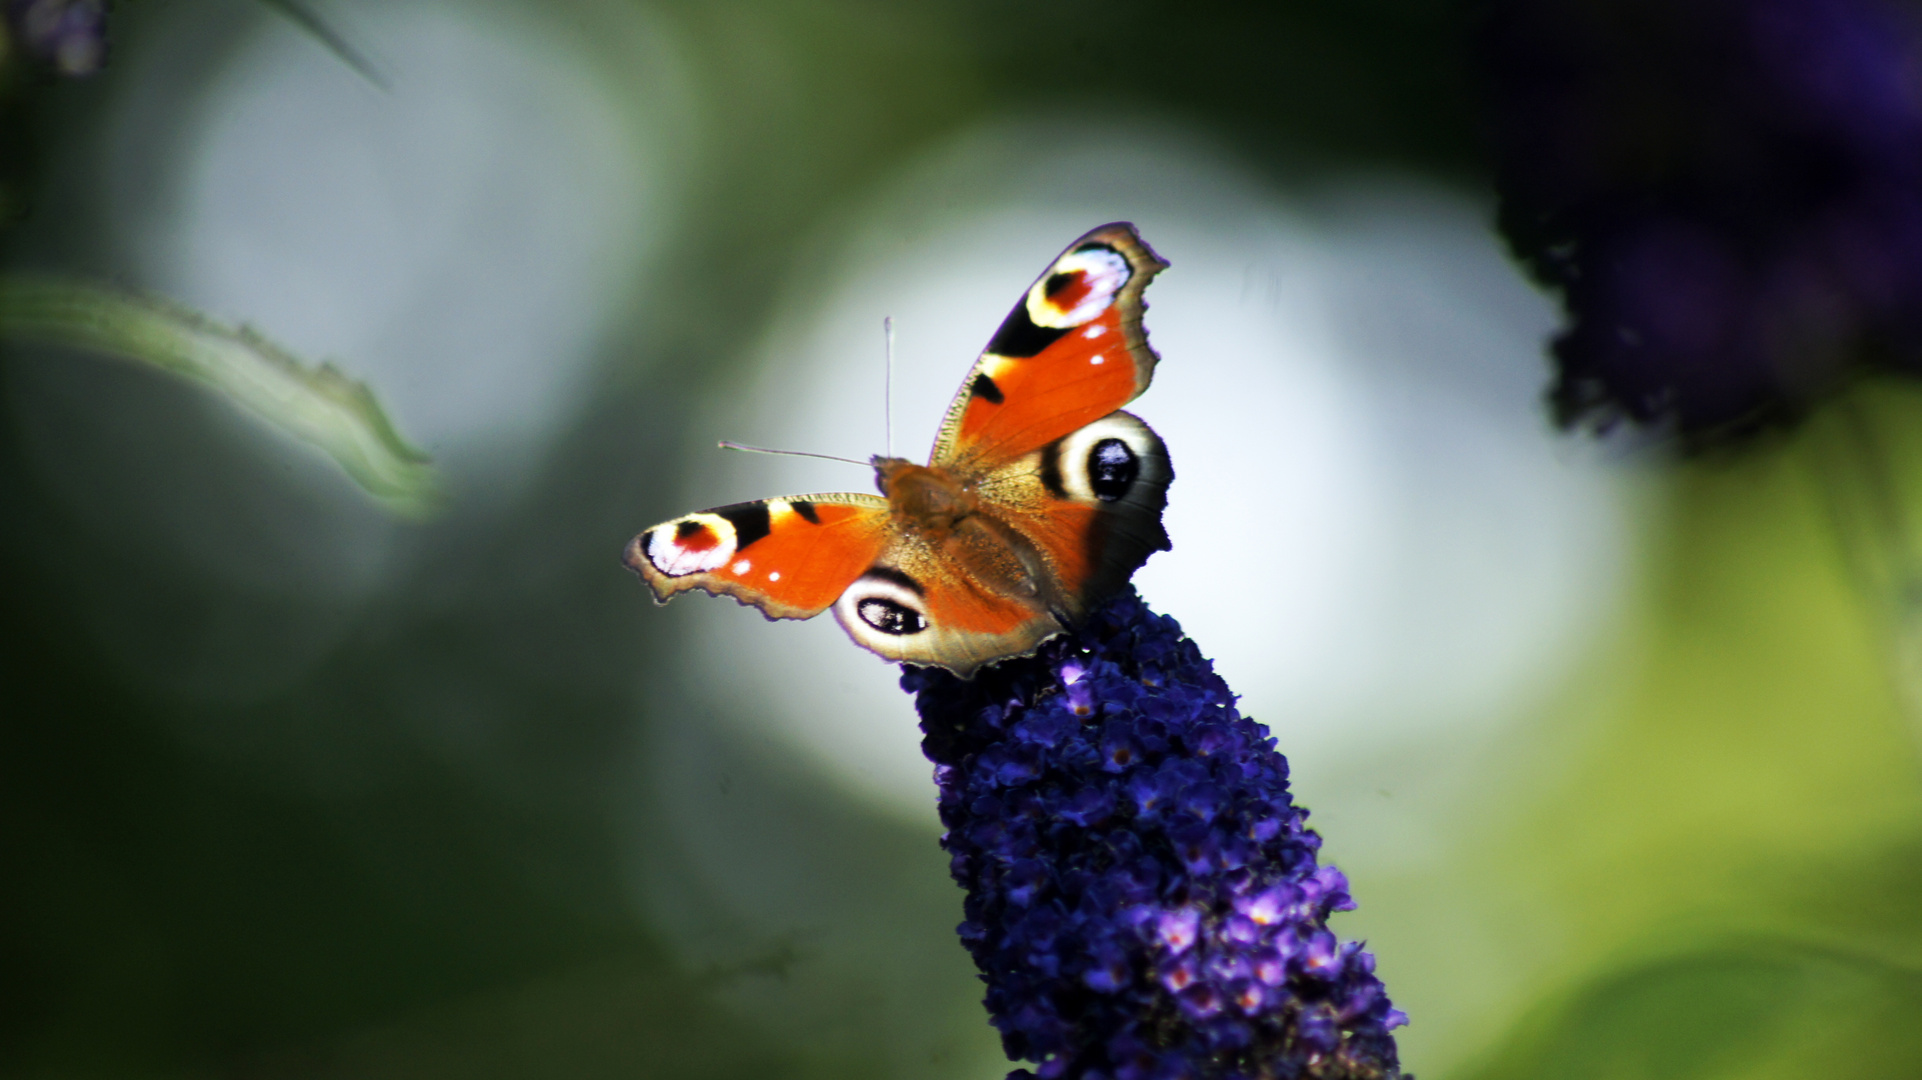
(70, 35)
(1143, 899)
(1727, 194)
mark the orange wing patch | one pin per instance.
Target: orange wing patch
(790, 557)
(1015, 405)
(1071, 352)
(960, 607)
(1090, 503)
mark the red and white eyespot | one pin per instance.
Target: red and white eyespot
(1079, 288)
(694, 544)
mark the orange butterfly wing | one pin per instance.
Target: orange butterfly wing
(1055, 532)
(1089, 504)
(929, 601)
(791, 557)
(1071, 352)
(1069, 492)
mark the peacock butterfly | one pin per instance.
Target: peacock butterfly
(1040, 499)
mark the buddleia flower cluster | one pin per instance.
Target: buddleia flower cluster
(1727, 194)
(1143, 899)
(69, 36)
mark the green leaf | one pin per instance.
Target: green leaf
(1764, 1009)
(319, 405)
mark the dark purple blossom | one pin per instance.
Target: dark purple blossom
(1726, 193)
(1143, 899)
(68, 35)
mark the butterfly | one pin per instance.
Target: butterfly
(1041, 498)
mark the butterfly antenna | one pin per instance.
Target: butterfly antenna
(887, 384)
(726, 445)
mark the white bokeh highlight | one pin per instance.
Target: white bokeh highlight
(458, 238)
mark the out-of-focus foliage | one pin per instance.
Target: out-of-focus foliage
(1772, 1008)
(1727, 811)
(1724, 193)
(319, 405)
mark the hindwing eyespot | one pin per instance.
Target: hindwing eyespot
(885, 601)
(888, 617)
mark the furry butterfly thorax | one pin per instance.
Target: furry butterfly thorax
(1040, 499)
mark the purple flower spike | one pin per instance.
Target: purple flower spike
(1726, 193)
(1143, 899)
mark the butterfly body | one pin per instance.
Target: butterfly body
(1040, 499)
(928, 498)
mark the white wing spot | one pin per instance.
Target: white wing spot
(774, 575)
(742, 567)
(708, 548)
(1103, 272)
(1094, 331)
(1098, 359)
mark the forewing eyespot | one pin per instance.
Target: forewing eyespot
(1084, 282)
(696, 544)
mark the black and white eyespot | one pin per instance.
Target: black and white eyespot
(694, 544)
(1112, 469)
(890, 618)
(882, 607)
(1105, 461)
(1079, 287)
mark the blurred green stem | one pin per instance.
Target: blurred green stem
(1876, 532)
(320, 405)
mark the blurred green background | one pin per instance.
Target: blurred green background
(1620, 755)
